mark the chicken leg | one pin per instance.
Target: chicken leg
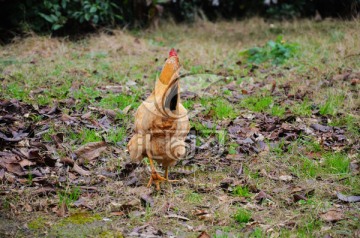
(157, 178)
(154, 177)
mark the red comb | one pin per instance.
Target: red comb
(172, 52)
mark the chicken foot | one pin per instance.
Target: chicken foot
(157, 178)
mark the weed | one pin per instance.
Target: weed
(202, 129)
(70, 196)
(241, 191)
(242, 215)
(232, 148)
(277, 52)
(308, 229)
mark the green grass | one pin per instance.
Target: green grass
(69, 195)
(88, 135)
(302, 109)
(257, 104)
(241, 191)
(223, 109)
(331, 105)
(116, 135)
(337, 163)
(306, 167)
(278, 111)
(193, 197)
(242, 215)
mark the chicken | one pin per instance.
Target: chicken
(161, 124)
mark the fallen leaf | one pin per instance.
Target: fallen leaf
(332, 216)
(81, 171)
(202, 214)
(285, 177)
(24, 163)
(178, 217)
(117, 214)
(348, 198)
(62, 210)
(14, 168)
(90, 151)
(204, 234)
(67, 161)
(321, 128)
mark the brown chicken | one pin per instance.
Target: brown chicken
(161, 123)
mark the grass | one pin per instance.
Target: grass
(241, 191)
(242, 215)
(69, 196)
(257, 104)
(337, 163)
(103, 72)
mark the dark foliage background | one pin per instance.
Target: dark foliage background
(78, 16)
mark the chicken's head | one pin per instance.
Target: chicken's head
(170, 68)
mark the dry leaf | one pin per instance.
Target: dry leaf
(117, 214)
(62, 210)
(332, 216)
(23, 163)
(285, 177)
(90, 151)
(81, 171)
(204, 234)
(348, 198)
(178, 217)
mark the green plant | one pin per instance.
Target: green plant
(277, 52)
(302, 109)
(88, 135)
(69, 196)
(223, 109)
(331, 105)
(193, 197)
(337, 163)
(116, 135)
(242, 215)
(257, 233)
(241, 191)
(95, 12)
(278, 111)
(257, 104)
